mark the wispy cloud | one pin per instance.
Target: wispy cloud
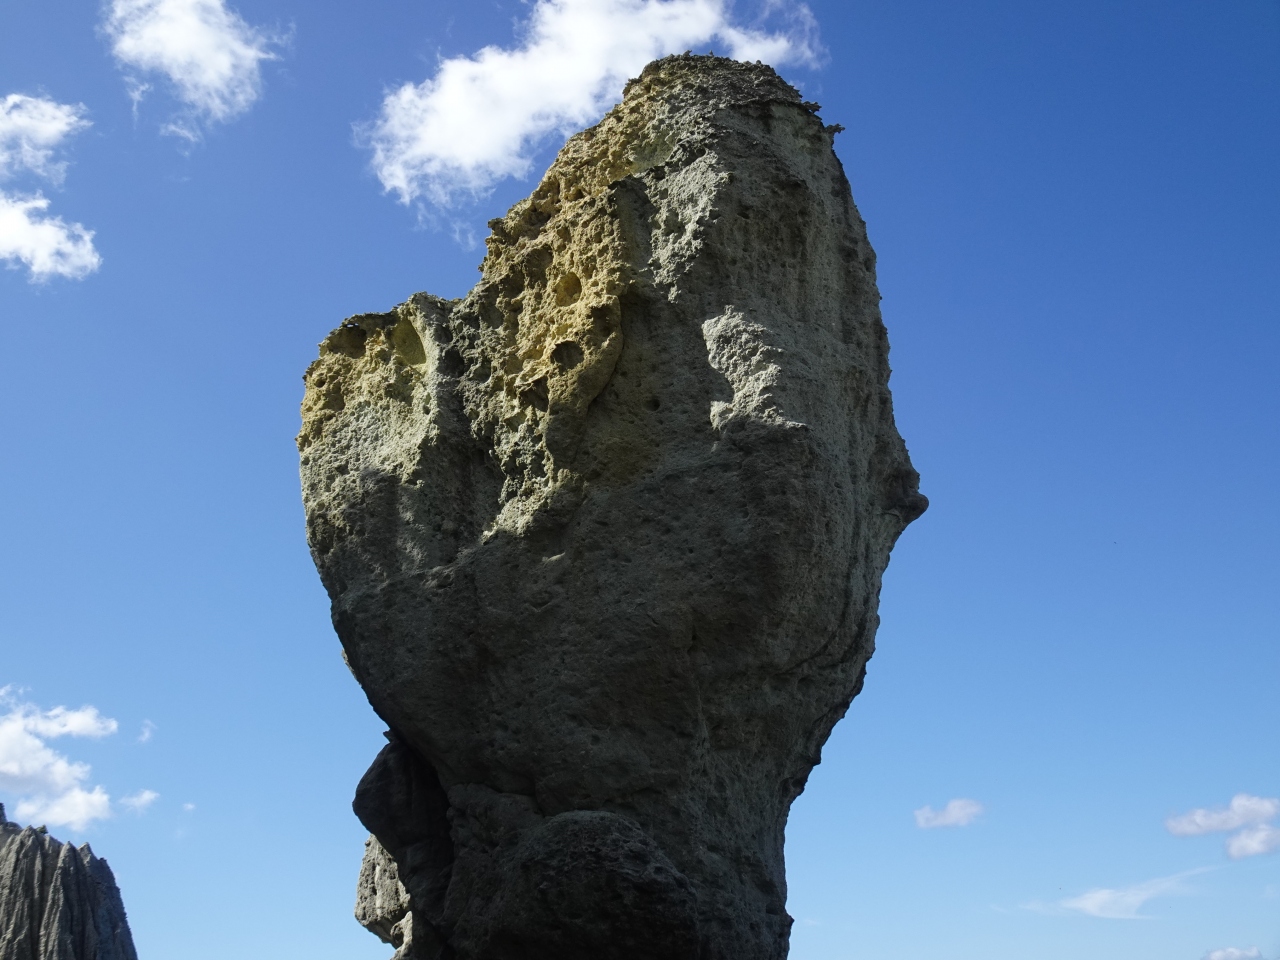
(479, 119)
(140, 801)
(211, 56)
(1234, 953)
(1246, 813)
(148, 731)
(957, 813)
(1127, 902)
(50, 787)
(32, 129)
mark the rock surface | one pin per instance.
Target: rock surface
(604, 539)
(57, 902)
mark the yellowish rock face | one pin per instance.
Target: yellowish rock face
(556, 269)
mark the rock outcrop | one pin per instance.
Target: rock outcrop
(604, 539)
(57, 902)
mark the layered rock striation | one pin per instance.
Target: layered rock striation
(57, 901)
(604, 538)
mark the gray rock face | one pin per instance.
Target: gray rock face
(57, 902)
(604, 539)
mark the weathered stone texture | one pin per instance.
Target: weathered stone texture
(57, 902)
(604, 539)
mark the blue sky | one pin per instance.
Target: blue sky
(1075, 207)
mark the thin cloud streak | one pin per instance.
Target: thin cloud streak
(1127, 902)
(479, 119)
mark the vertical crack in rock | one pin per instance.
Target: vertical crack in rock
(57, 902)
(604, 539)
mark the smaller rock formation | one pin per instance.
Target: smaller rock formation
(57, 902)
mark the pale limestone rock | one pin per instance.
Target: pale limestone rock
(604, 539)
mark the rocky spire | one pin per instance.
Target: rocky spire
(57, 902)
(604, 539)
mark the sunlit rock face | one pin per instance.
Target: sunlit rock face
(604, 539)
(57, 901)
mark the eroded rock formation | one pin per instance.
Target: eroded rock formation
(57, 901)
(604, 539)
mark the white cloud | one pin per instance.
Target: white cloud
(50, 786)
(957, 813)
(48, 246)
(208, 52)
(1234, 953)
(31, 129)
(479, 118)
(61, 722)
(76, 808)
(148, 731)
(138, 802)
(1126, 903)
(1244, 811)
(1253, 841)
(188, 807)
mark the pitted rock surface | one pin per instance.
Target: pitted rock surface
(57, 901)
(604, 539)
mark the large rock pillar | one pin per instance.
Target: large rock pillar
(604, 539)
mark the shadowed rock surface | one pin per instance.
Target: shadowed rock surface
(604, 539)
(57, 902)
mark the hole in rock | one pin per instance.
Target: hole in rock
(567, 355)
(452, 364)
(348, 340)
(408, 344)
(535, 395)
(602, 319)
(568, 289)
